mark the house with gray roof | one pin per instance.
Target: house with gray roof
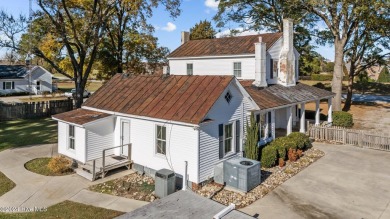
(21, 79)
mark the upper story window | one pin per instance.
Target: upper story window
(161, 139)
(237, 69)
(8, 85)
(71, 137)
(274, 69)
(190, 69)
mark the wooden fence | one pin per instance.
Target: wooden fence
(31, 110)
(360, 138)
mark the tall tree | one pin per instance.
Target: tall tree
(369, 45)
(342, 18)
(267, 15)
(384, 75)
(202, 30)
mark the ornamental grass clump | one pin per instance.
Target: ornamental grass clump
(60, 164)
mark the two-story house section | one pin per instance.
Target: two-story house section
(267, 66)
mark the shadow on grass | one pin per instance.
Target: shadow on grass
(27, 132)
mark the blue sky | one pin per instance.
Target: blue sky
(167, 29)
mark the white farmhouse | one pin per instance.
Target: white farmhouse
(18, 78)
(197, 113)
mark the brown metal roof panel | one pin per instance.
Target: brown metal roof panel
(80, 116)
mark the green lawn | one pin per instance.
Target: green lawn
(27, 132)
(40, 166)
(69, 85)
(5, 184)
(66, 209)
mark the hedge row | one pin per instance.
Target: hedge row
(280, 146)
(343, 119)
(320, 77)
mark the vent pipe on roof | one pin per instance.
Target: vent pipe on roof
(260, 64)
(286, 75)
(185, 37)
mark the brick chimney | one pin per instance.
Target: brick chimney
(286, 74)
(260, 64)
(185, 37)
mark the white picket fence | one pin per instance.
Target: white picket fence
(360, 138)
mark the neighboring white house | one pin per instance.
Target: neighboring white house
(267, 65)
(18, 78)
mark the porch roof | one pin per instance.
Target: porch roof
(80, 116)
(277, 95)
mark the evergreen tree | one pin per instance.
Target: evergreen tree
(384, 76)
(202, 30)
(252, 138)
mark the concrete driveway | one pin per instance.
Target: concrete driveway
(348, 182)
(34, 190)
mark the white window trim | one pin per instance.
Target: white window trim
(71, 137)
(156, 139)
(189, 63)
(233, 149)
(5, 88)
(235, 69)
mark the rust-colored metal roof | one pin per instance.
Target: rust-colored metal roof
(239, 45)
(177, 97)
(277, 95)
(80, 116)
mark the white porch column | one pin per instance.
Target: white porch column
(302, 119)
(330, 120)
(267, 128)
(317, 112)
(289, 120)
(273, 123)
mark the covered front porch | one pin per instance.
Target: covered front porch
(282, 121)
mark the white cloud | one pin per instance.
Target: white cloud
(213, 4)
(240, 32)
(169, 27)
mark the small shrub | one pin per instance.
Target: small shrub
(60, 164)
(300, 152)
(281, 162)
(301, 140)
(268, 156)
(292, 155)
(342, 119)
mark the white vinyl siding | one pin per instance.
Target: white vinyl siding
(79, 153)
(181, 145)
(237, 69)
(100, 135)
(209, 136)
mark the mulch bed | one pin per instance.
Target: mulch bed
(133, 186)
(271, 178)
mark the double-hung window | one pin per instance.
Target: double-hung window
(237, 69)
(274, 68)
(161, 139)
(190, 69)
(71, 137)
(228, 138)
(8, 85)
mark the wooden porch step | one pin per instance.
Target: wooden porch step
(84, 174)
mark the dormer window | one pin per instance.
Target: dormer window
(228, 97)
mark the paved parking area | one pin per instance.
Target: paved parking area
(348, 182)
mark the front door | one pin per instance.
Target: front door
(125, 136)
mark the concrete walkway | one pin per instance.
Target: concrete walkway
(34, 190)
(348, 182)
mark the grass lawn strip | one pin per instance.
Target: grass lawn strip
(39, 165)
(5, 184)
(65, 210)
(27, 132)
